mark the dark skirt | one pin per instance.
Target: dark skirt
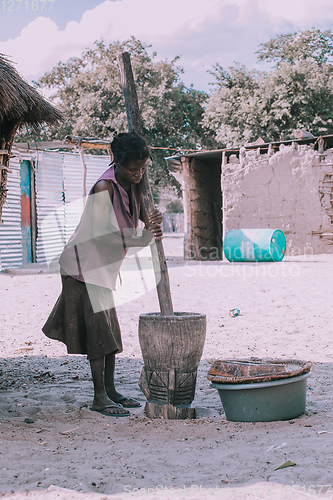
(85, 319)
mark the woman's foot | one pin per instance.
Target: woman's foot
(110, 408)
(128, 402)
(124, 401)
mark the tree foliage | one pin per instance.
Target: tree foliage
(235, 110)
(310, 45)
(297, 93)
(88, 91)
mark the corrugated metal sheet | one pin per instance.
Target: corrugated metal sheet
(10, 230)
(73, 184)
(73, 179)
(96, 165)
(50, 206)
(59, 203)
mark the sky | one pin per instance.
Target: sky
(37, 34)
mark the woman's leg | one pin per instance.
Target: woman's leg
(110, 362)
(102, 402)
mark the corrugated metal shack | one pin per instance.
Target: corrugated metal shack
(20, 104)
(286, 185)
(44, 202)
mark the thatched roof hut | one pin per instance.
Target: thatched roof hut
(20, 104)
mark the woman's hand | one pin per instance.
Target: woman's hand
(155, 224)
(153, 231)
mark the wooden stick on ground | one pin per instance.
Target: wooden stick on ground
(146, 199)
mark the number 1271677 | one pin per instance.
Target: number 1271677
(26, 5)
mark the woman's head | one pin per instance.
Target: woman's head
(128, 148)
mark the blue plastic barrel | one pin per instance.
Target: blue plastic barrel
(254, 245)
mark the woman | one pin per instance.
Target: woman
(84, 316)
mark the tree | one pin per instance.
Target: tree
(310, 45)
(87, 90)
(297, 93)
(235, 110)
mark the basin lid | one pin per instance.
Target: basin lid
(255, 370)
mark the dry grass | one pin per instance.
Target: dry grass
(21, 103)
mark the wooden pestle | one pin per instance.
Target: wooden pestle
(146, 199)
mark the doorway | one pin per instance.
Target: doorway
(28, 212)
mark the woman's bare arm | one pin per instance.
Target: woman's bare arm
(102, 204)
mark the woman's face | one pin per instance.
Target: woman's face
(133, 171)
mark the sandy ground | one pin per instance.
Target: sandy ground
(54, 447)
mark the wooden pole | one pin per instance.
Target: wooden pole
(146, 198)
(88, 142)
(5, 145)
(84, 181)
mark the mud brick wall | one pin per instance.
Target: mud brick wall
(291, 190)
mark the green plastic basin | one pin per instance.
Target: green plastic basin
(282, 399)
